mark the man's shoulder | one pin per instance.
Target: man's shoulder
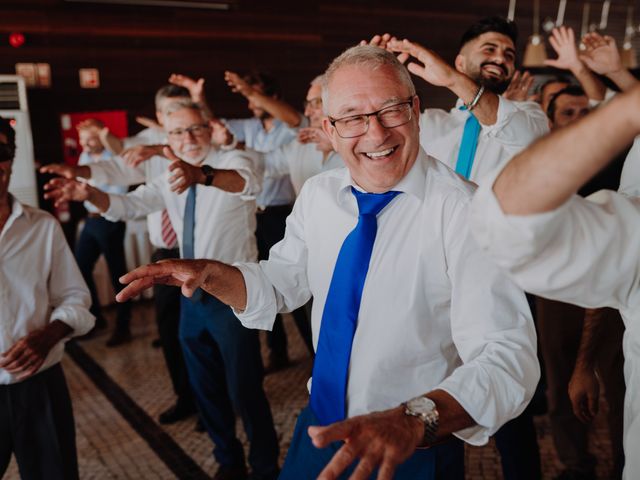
(442, 179)
(38, 217)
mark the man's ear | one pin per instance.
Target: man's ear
(330, 130)
(460, 63)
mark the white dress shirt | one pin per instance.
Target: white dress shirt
(434, 313)
(39, 282)
(583, 253)
(630, 177)
(105, 157)
(224, 222)
(517, 125)
(300, 161)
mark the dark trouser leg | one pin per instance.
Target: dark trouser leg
(167, 305)
(43, 428)
(87, 252)
(6, 439)
(304, 461)
(112, 245)
(560, 328)
(208, 382)
(518, 446)
(303, 322)
(610, 366)
(240, 350)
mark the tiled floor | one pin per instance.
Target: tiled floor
(117, 437)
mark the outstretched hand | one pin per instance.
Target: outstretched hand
(380, 440)
(60, 169)
(189, 275)
(315, 135)
(62, 190)
(431, 68)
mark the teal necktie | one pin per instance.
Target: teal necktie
(468, 146)
(188, 231)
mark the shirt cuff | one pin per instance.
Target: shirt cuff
(76, 316)
(97, 175)
(261, 309)
(116, 209)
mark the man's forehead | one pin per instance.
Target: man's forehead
(362, 88)
(314, 91)
(183, 117)
(579, 100)
(496, 38)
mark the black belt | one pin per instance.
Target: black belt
(274, 208)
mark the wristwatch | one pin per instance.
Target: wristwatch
(425, 409)
(209, 173)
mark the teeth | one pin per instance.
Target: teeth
(379, 154)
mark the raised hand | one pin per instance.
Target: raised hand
(433, 69)
(601, 54)
(183, 174)
(220, 134)
(62, 190)
(382, 41)
(563, 41)
(518, 89)
(317, 136)
(149, 123)
(584, 392)
(238, 84)
(381, 440)
(195, 87)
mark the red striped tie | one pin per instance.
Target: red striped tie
(169, 236)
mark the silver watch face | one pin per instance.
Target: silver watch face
(421, 405)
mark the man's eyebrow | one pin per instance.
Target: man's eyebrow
(348, 110)
(495, 45)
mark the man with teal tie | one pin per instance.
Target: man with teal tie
(414, 346)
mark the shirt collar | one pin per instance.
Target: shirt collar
(412, 183)
(17, 210)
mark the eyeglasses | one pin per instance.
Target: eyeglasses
(313, 102)
(194, 130)
(389, 117)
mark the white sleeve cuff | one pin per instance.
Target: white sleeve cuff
(261, 308)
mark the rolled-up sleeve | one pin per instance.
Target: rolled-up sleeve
(584, 252)
(279, 284)
(493, 331)
(142, 201)
(249, 164)
(68, 293)
(517, 124)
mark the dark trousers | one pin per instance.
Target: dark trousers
(304, 461)
(518, 446)
(100, 236)
(271, 224)
(36, 424)
(167, 304)
(225, 370)
(560, 328)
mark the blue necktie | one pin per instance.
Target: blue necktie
(340, 315)
(188, 228)
(468, 146)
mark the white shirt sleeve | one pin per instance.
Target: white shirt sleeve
(493, 332)
(68, 294)
(279, 284)
(583, 253)
(630, 177)
(249, 166)
(116, 172)
(142, 201)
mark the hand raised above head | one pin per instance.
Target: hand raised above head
(518, 89)
(433, 69)
(238, 84)
(601, 54)
(382, 41)
(195, 87)
(563, 41)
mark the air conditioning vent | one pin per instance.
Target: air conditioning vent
(9, 96)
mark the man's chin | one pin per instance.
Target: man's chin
(495, 85)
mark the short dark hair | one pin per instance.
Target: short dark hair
(490, 24)
(10, 149)
(171, 91)
(572, 90)
(554, 79)
(268, 82)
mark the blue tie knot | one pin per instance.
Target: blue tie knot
(372, 203)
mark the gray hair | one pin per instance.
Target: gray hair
(366, 56)
(319, 80)
(183, 103)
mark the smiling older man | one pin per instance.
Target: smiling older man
(406, 319)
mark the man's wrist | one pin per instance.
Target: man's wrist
(207, 173)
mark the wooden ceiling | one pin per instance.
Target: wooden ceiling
(135, 48)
